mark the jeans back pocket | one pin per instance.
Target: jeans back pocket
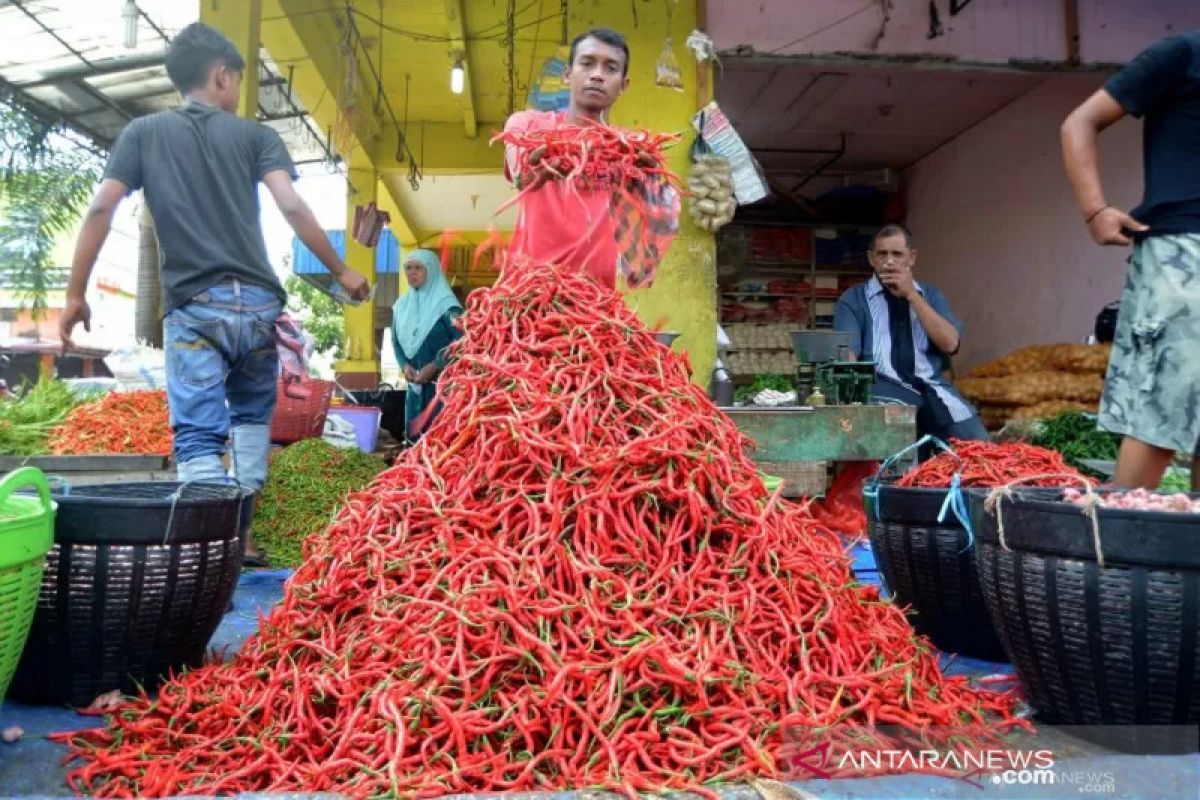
(193, 354)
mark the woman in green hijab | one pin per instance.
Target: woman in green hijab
(422, 330)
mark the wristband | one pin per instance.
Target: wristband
(1096, 213)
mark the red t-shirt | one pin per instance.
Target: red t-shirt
(561, 225)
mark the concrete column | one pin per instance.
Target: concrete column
(241, 21)
(360, 369)
(685, 291)
(148, 311)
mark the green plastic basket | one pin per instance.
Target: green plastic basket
(26, 536)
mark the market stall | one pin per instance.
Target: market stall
(585, 576)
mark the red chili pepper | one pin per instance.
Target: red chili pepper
(576, 579)
(990, 464)
(119, 422)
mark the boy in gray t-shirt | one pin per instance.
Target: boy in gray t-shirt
(199, 166)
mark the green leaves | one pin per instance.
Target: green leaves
(321, 315)
(46, 183)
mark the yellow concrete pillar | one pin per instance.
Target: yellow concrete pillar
(241, 21)
(684, 295)
(360, 369)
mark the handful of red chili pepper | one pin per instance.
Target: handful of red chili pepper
(590, 154)
(576, 579)
(989, 464)
(118, 422)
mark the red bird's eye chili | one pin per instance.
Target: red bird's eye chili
(119, 422)
(576, 579)
(988, 464)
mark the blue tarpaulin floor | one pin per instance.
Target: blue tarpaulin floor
(31, 767)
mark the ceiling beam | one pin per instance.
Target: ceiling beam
(50, 115)
(441, 147)
(107, 66)
(293, 32)
(391, 200)
(457, 28)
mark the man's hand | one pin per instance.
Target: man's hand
(75, 312)
(354, 284)
(540, 170)
(899, 282)
(1108, 227)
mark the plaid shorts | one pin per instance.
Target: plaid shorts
(1152, 391)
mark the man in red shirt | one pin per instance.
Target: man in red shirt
(555, 223)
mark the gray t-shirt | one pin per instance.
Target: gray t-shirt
(200, 167)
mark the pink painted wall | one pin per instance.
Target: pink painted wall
(987, 31)
(998, 230)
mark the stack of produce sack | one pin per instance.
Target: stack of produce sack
(1037, 382)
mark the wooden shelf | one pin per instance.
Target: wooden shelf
(841, 270)
(801, 295)
(738, 263)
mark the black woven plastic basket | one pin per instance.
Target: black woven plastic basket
(137, 581)
(930, 567)
(1111, 645)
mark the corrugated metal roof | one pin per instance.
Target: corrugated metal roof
(67, 60)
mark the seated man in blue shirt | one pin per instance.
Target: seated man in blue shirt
(907, 329)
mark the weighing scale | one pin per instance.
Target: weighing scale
(798, 442)
(823, 362)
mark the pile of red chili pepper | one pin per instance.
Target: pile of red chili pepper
(576, 579)
(991, 464)
(118, 422)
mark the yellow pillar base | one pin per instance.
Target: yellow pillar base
(356, 375)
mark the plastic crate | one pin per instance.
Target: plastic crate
(135, 585)
(298, 418)
(930, 567)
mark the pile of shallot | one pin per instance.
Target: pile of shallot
(1140, 500)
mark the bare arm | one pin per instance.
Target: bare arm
(302, 220)
(1081, 156)
(97, 221)
(939, 329)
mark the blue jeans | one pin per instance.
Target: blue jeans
(221, 367)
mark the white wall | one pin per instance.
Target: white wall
(998, 229)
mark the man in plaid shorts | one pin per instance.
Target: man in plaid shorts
(1152, 391)
(594, 226)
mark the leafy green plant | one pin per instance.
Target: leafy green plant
(321, 315)
(28, 417)
(46, 183)
(780, 383)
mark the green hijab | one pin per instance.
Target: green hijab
(418, 310)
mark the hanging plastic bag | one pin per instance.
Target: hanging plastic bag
(647, 219)
(666, 71)
(699, 147)
(339, 433)
(138, 366)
